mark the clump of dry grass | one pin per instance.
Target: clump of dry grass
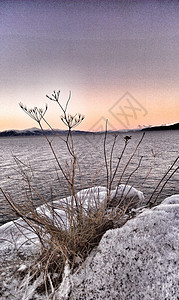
(61, 242)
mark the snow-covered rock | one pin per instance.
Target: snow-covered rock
(16, 239)
(92, 197)
(127, 191)
(171, 200)
(126, 196)
(134, 262)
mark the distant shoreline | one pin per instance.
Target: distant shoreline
(38, 132)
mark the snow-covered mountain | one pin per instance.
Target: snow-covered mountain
(34, 132)
(37, 132)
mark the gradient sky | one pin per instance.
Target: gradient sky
(120, 59)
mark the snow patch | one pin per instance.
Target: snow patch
(65, 286)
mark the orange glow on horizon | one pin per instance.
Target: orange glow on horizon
(151, 107)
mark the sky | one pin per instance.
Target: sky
(119, 59)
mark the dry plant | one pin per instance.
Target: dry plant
(68, 229)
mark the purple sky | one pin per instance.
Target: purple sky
(97, 49)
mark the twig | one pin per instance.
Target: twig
(153, 203)
(127, 164)
(166, 173)
(105, 156)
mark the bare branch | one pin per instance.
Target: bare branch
(35, 113)
(166, 173)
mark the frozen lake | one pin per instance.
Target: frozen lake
(49, 182)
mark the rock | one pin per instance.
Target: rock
(136, 261)
(126, 196)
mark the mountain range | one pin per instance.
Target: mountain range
(37, 132)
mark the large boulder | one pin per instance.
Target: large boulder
(136, 261)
